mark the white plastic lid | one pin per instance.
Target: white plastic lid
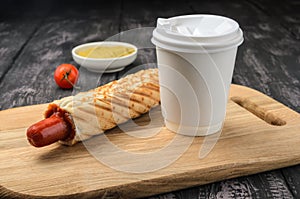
(197, 33)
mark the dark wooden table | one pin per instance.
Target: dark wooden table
(36, 36)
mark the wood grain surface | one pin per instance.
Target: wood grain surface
(248, 143)
(35, 36)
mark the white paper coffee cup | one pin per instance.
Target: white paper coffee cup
(196, 57)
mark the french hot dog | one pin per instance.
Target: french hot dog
(77, 118)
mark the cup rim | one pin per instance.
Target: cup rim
(235, 25)
(185, 43)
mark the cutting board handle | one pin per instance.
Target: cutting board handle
(259, 111)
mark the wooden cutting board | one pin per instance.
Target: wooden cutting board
(259, 134)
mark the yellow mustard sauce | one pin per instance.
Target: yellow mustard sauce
(105, 51)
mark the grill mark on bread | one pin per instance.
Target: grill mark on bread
(113, 112)
(125, 102)
(121, 106)
(149, 94)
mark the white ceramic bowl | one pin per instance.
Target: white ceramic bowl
(106, 65)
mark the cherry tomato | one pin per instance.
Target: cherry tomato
(66, 75)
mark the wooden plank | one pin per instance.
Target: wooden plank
(13, 37)
(241, 11)
(285, 13)
(30, 79)
(247, 145)
(292, 176)
(16, 29)
(265, 185)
